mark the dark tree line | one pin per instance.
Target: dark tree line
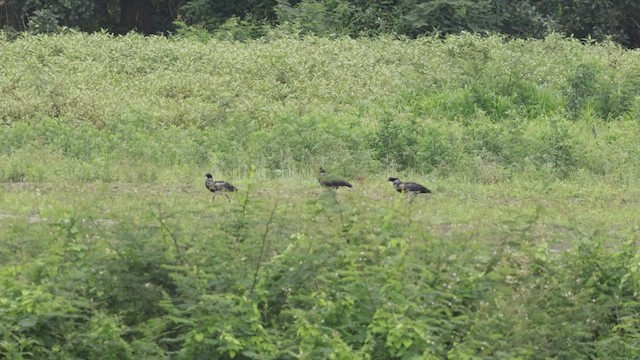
(117, 16)
(598, 19)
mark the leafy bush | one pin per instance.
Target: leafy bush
(592, 88)
(396, 141)
(44, 21)
(285, 103)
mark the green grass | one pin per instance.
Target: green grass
(110, 246)
(360, 272)
(92, 102)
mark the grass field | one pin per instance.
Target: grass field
(111, 248)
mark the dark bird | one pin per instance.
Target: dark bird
(408, 187)
(331, 181)
(218, 185)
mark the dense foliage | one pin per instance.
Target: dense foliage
(452, 107)
(169, 274)
(597, 19)
(111, 249)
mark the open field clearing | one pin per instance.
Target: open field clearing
(111, 247)
(555, 214)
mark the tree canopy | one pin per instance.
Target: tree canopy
(595, 19)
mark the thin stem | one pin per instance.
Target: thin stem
(166, 228)
(264, 242)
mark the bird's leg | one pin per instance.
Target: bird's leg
(227, 196)
(214, 197)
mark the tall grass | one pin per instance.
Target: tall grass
(458, 106)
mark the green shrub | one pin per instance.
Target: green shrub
(593, 87)
(555, 148)
(396, 141)
(44, 21)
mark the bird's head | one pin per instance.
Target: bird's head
(392, 179)
(322, 172)
(208, 175)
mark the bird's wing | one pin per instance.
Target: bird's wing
(340, 182)
(332, 181)
(417, 187)
(225, 185)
